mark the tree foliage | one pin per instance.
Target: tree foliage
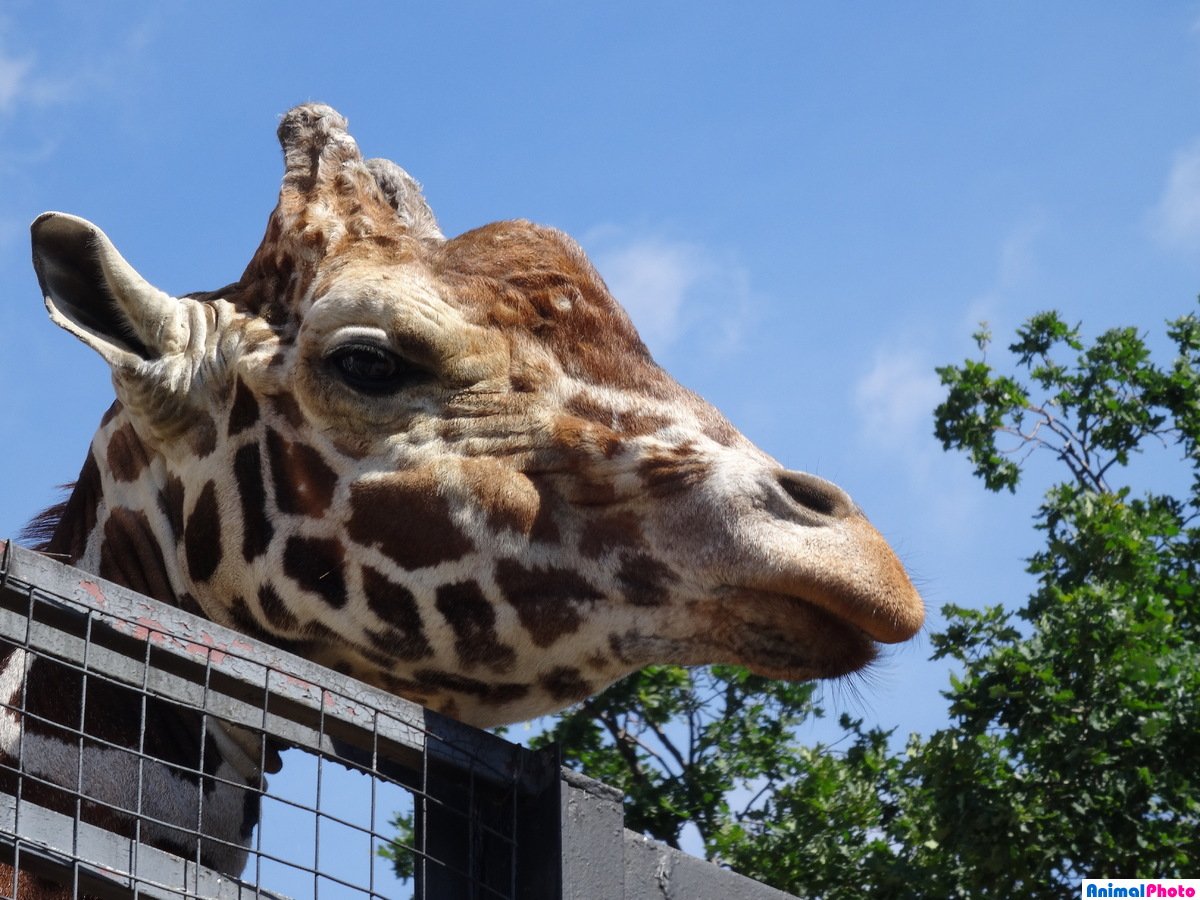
(1074, 720)
(689, 747)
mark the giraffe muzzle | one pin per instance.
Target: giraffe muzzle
(847, 569)
(806, 544)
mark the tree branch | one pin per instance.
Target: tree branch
(621, 740)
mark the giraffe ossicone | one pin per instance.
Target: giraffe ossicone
(448, 467)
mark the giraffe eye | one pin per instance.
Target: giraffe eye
(371, 369)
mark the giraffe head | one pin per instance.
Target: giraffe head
(449, 467)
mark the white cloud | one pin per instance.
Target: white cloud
(14, 79)
(673, 288)
(23, 87)
(895, 400)
(106, 65)
(1016, 270)
(1018, 261)
(651, 278)
(1175, 219)
(896, 397)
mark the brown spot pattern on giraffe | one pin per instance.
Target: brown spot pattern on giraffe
(245, 621)
(125, 454)
(248, 624)
(508, 499)
(244, 411)
(717, 428)
(170, 503)
(405, 687)
(545, 529)
(435, 680)
(532, 268)
(605, 533)
(645, 580)
(354, 447)
(565, 684)
(318, 633)
(111, 412)
(672, 470)
(546, 599)
(407, 519)
(62, 531)
(277, 614)
(317, 565)
(582, 437)
(188, 603)
(592, 410)
(637, 424)
(285, 405)
(203, 434)
(473, 620)
(630, 423)
(394, 605)
(130, 555)
(304, 482)
(616, 643)
(257, 530)
(202, 535)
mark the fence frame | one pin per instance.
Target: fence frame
(567, 839)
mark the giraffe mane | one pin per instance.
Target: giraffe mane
(39, 531)
(61, 529)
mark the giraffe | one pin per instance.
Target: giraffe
(447, 467)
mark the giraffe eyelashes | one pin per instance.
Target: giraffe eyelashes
(371, 369)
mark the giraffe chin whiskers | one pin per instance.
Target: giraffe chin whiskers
(790, 639)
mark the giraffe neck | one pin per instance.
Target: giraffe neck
(117, 519)
(119, 543)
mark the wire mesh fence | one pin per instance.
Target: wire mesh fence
(145, 752)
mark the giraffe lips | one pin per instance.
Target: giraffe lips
(804, 641)
(845, 571)
(817, 601)
(785, 637)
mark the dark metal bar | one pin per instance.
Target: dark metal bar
(102, 630)
(159, 875)
(492, 819)
(182, 642)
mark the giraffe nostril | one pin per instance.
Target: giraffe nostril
(818, 495)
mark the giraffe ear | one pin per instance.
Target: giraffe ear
(92, 292)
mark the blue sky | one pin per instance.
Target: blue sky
(805, 206)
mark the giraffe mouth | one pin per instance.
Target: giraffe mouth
(839, 584)
(788, 638)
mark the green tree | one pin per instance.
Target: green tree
(698, 747)
(1071, 747)
(1091, 704)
